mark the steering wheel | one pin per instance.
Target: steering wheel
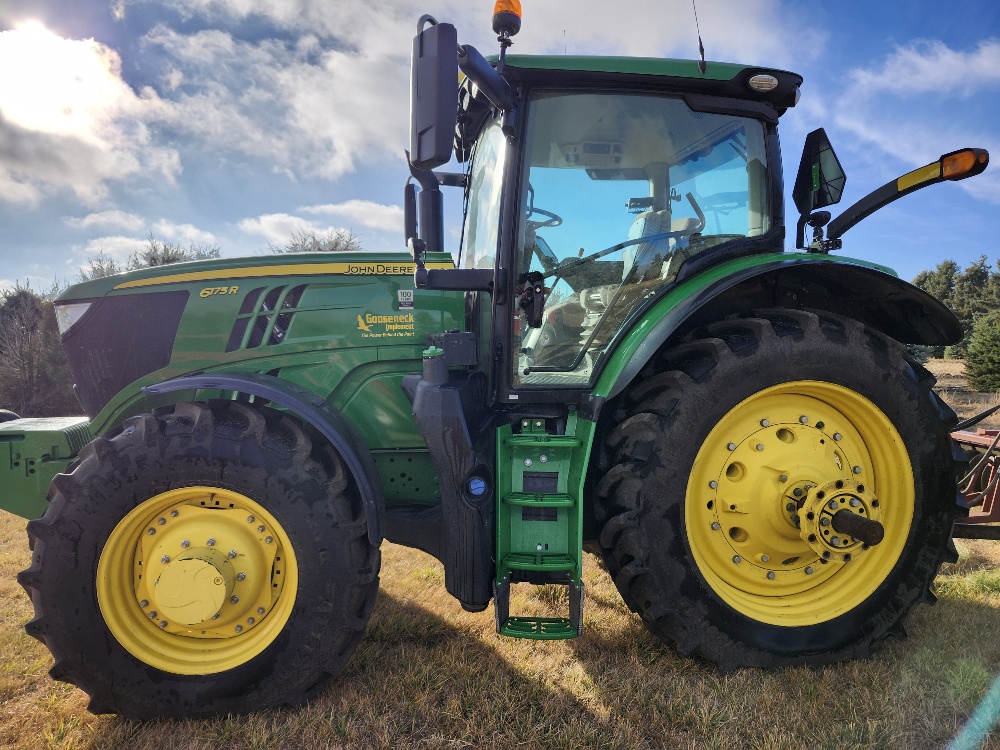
(650, 238)
(551, 219)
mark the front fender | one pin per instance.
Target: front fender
(311, 409)
(847, 287)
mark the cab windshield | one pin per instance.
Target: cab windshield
(620, 190)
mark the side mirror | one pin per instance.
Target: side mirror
(820, 180)
(433, 93)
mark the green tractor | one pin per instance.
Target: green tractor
(624, 358)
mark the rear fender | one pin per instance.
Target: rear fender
(311, 409)
(873, 297)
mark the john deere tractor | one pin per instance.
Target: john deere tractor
(619, 355)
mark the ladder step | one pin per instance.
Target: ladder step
(554, 441)
(543, 562)
(538, 501)
(539, 628)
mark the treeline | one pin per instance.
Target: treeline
(34, 377)
(974, 296)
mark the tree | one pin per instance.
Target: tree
(970, 294)
(154, 253)
(34, 377)
(983, 358)
(334, 241)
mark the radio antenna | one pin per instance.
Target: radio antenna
(701, 47)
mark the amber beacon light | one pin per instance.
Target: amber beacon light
(507, 18)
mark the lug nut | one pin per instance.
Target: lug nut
(165, 559)
(770, 575)
(790, 507)
(716, 526)
(174, 513)
(804, 419)
(234, 599)
(185, 544)
(210, 542)
(809, 570)
(731, 446)
(261, 528)
(837, 436)
(268, 539)
(215, 616)
(713, 484)
(824, 521)
(760, 446)
(797, 492)
(152, 615)
(261, 610)
(832, 505)
(764, 558)
(239, 628)
(251, 620)
(151, 531)
(737, 559)
(250, 519)
(835, 541)
(232, 554)
(161, 521)
(241, 576)
(163, 624)
(855, 502)
(783, 478)
(856, 469)
(144, 603)
(764, 423)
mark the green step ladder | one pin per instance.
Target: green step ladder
(540, 520)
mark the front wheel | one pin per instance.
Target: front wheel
(736, 464)
(207, 559)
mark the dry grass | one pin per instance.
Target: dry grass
(430, 675)
(953, 386)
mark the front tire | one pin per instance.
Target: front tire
(728, 460)
(206, 559)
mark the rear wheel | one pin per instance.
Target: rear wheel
(207, 559)
(727, 470)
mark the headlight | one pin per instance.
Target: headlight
(68, 314)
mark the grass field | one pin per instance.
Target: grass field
(429, 675)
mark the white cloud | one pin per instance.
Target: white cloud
(277, 228)
(931, 67)
(184, 233)
(906, 106)
(68, 119)
(116, 218)
(363, 213)
(115, 246)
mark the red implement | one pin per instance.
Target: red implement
(982, 486)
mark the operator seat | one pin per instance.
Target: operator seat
(650, 223)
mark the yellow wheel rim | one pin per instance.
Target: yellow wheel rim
(197, 580)
(763, 482)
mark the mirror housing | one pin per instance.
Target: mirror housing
(820, 180)
(433, 93)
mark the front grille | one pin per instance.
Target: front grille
(119, 340)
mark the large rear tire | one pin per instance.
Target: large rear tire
(728, 460)
(206, 559)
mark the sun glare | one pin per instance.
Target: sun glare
(59, 86)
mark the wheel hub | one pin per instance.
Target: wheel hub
(818, 524)
(193, 586)
(207, 572)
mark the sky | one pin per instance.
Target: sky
(234, 123)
